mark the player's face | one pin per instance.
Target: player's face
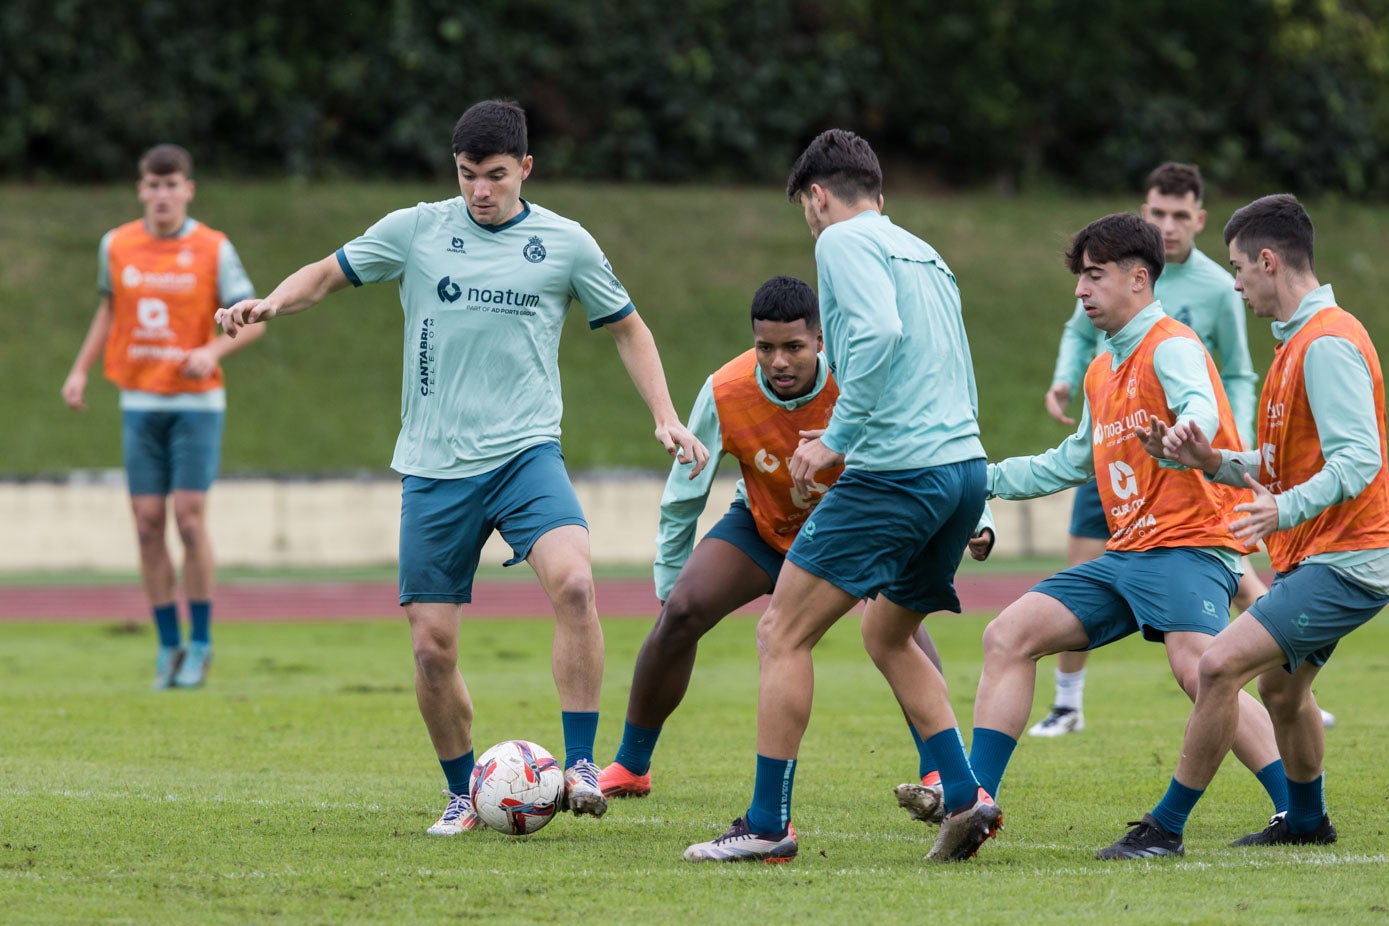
(492, 187)
(1253, 284)
(165, 198)
(786, 353)
(1107, 291)
(1179, 218)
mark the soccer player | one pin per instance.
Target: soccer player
(1321, 505)
(486, 280)
(893, 528)
(160, 278)
(1199, 293)
(754, 409)
(1171, 563)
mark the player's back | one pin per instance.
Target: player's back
(926, 409)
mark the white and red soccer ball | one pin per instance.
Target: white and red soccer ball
(516, 787)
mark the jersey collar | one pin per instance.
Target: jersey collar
(515, 220)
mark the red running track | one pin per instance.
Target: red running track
(279, 601)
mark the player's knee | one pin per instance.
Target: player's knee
(772, 634)
(573, 596)
(1004, 636)
(436, 658)
(1217, 669)
(1282, 702)
(683, 621)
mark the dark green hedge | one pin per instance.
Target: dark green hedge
(1263, 93)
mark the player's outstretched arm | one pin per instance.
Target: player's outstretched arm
(302, 289)
(637, 348)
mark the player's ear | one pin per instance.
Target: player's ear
(527, 163)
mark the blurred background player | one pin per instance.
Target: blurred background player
(161, 278)
(755, 409)
(894, 526)
(1320, 478)
(1200, 293)
(480, 423)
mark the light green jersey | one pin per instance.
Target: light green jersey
(484, 308)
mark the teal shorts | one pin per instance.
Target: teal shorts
(1166, 590)
(1087, 513)
(897, 534)
(1310, 608)
(171, 450)
(738, 528)
(445, 522)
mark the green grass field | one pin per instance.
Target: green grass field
(297, 787)
(322, 392)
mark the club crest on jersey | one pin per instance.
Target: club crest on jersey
(449, 291)
(534, 251)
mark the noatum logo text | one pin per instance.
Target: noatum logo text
(489, 297)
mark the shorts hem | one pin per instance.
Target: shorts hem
(436, 598)
(519, 556)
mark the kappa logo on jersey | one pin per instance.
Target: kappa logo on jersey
(766, 461)
(1122, 478)
(1132, 389)
(534, 251)
(449, 291)
(456, 246)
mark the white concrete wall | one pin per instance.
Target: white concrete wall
(84, 522)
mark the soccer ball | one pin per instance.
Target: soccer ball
(516, 787)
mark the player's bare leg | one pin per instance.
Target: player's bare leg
(561, 560)
(1253, 743)
(199, 570)
(1034, 626)
(190, 517)
(156, 565)
(445, 705)
(716, 581)
(803, 607)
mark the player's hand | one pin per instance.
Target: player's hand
(1188, 445)
(199, 363)
(981, 544)
(246, 312)
(1057, 399)
(812, 457)
(683, 445)
(73, 389)
(811, 435)
(1151, 438)
(1262, 515)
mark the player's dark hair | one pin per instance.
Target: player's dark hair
(1276, 222)
(1176, 179)
(786, 299)
(841, 162)
(491, 127)
(1122, 238)
(163, 160)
